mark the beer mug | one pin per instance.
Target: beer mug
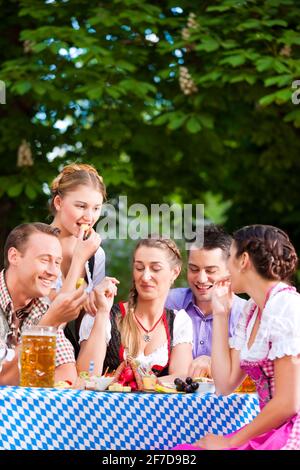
(37, 357)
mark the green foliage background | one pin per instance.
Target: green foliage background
(100, 82)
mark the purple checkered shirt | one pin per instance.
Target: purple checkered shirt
(202, 324)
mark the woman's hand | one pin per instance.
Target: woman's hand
(222, 297)
(90, 304)
(106, 283)
(200, 367)
(213, 442)
(85, 248)
(104, 294)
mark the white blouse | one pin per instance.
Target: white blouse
(98, 272)
(279, 327)
(182, 333)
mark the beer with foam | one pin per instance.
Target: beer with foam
(37, 357)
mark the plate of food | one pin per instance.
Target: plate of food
(125, 379)
(188, 385)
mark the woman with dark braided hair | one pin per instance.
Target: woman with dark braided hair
(266, 345)
(160, 339)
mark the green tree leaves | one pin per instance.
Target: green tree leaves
(99, 82)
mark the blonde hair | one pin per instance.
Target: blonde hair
(74, 175)
(130, 334)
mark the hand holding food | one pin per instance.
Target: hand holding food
(88, 242)
(79, 282)
(86, 229)
(222, 297)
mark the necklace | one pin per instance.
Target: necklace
(146, 336)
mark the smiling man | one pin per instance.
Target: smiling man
(32, 259)
(206, 265)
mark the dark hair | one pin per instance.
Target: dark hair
(20, 235)
(270, 250)
(214, 237)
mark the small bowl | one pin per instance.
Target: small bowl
(206, 387)
(99, 384)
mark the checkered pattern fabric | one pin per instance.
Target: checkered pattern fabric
(35, 312)
(73, 419)
(64, 349)
(293, 442)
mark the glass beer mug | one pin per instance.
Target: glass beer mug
(37, 357)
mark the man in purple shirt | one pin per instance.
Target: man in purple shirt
(206, 265)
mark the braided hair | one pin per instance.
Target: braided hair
(74, 175)
(270, 250)
(130, 335)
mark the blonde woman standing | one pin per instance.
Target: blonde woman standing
(77, 196)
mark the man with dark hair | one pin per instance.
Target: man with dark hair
(206, 265)
(33, 255)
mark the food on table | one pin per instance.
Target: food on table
(205, 380)
(127, 374)
(162, 388)
(98, 383)
(187, 386)
(63, 384)
(84, 374)
(149, 382)
(116, 387)
(126, 379)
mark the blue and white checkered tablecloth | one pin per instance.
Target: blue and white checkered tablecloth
(72, 419)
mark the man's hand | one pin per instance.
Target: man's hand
(200, 367)
(65, 307)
